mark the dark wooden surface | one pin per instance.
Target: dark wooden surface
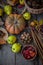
(7, 57)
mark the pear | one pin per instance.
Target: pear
(1, 11)
(16, 47)
(27, 16)
(8, 9)
(41, 22)
(21, 2)
(11, 39)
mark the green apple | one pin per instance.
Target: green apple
(8, 9)
(16, 47)
(1, 12)
(27, 16)
(11, 39)
(21, 2)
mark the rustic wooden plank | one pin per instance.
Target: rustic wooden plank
(21, 61)
(0, 58)
(6, 56)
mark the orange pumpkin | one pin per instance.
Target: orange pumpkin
(15, 23)
(12, 2)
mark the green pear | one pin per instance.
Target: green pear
(27, 16)
(11, 39)
(1, 12)
(21, 2)
(8, 9)
(41, 22)
(16, 47)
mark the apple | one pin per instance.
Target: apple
(11, 39)
(16, 47)
(1, 11)
(21, 2)
(27, 16)
(8, 9)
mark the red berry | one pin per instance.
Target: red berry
(28, 57)
(33, 54)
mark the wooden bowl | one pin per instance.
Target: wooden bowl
(34, 49)
(33, 11)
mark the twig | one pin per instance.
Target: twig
(37, 44)
(23, 10)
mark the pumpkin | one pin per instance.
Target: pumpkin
(15, 23)
(12, 2)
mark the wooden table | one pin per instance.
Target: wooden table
(7, 57)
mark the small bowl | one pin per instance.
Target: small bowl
(27, 51)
